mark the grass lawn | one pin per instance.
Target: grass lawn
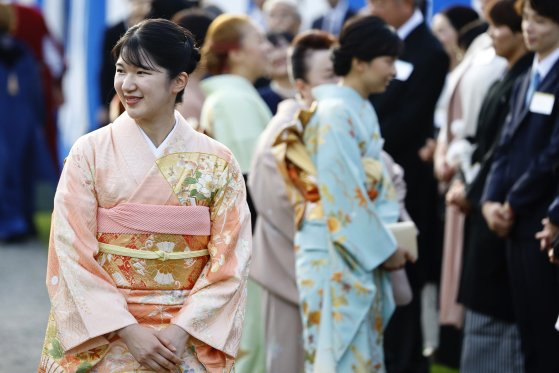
(42, 223)
(442, 369)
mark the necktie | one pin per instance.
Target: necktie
(534, 83)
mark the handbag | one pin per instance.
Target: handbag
(401, 287)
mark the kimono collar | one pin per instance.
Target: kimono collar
(226, 82)
(333, 91)
(158, 151)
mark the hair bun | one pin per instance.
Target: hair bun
(341, 61)
(193, 60)
(365, 38)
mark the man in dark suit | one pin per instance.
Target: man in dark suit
(335, 18)
(522, 184)
(405, 112)
(490, 325)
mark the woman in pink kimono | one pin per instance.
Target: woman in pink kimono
(150, 240)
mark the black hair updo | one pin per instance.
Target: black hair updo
(365, 38)
(159, 42)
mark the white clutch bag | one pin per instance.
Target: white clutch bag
(405, 233)
(406, 237)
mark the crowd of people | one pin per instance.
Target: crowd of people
(237, 206)
(31, 68)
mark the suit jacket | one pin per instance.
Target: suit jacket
(271, 98)
(524, 168)
(406, 113)
(553, 212)
(407, 107)
(318, 24)
(484, 285)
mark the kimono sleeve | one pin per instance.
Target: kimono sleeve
(214, 311)
(85, 301)
(352, 221)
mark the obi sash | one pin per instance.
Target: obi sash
(133, 218)
(299, 172)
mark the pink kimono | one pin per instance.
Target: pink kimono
(137, 239)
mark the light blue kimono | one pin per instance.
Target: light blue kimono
(346, 300)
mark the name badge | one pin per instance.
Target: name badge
(403, 70)
(542, 103)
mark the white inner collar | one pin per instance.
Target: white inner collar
(158, 151)
(544, 66)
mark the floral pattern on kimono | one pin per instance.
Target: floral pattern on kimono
(95, 293)
(346, 300)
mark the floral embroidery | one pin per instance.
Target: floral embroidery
(137, 273)
(153, 292)
(193, 175)
(337, 277)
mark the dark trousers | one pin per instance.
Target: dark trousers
(535, 297)
(403, 337)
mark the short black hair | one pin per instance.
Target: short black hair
(545, 8)
(159, 42)
(365, 38)
(503, 13)
(196, 21)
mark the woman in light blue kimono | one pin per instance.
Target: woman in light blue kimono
(343, 248)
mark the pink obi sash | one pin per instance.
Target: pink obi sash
(132, 218)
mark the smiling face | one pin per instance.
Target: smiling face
(378, 73)
(541, 34)
(148, 95)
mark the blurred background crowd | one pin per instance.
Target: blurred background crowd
(57, 71)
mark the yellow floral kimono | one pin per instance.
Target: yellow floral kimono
(343, 197)
(137, 239)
